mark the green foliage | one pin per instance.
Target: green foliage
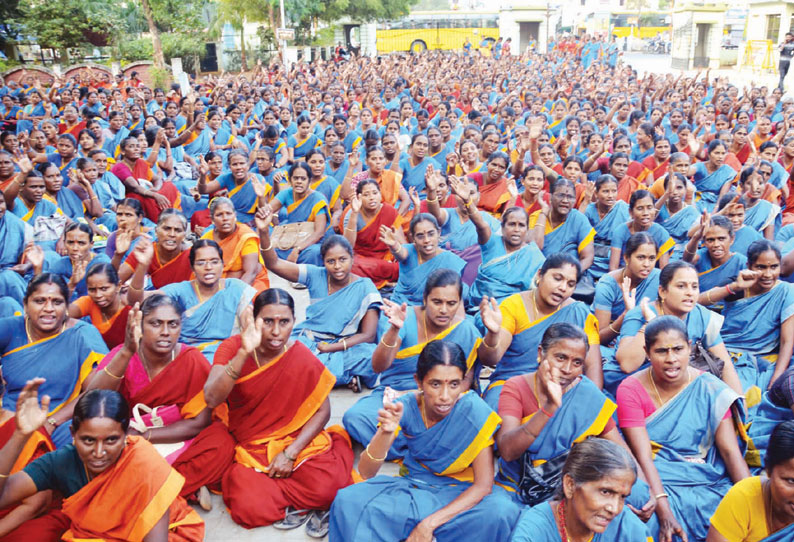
(432, 5)
(185, 46)
(161, 78)
(132, 50)
(70, 23)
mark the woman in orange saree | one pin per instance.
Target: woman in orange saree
(361, 226)
(658, 162)
(274, 460)
(171, 261)
(388, 180)
(116, 488)
(494, 194)
(240, 245)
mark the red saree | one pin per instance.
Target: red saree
(265, 416)
(744, 153)
(494, 196)
(657, 169)
(141, 170)
(177, 270)
(371, 258)
(123, 503)
(637, 171)
(626, 187)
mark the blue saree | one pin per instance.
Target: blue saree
(243, 196)
(64, 360)
(761, 215)
(329, 188)
(304, 210)
(538, 524)
(682, 435)
(501, 274)
(457, 235)
(436, 470)
(15, 234)
(572, 236)
(609, 296)
(360, 420)
(744, 237)
(664, 242)
(752, 327)
(701, 325)
(206, 323)
(708, 185)
(521, 356)
(711, 277)
(199, 145)
(331, 318)
(302, 148)
(766, 418)
(410, 286)
(414, 176)
(677, 225)
(618, 214)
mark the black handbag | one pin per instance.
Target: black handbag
(538, 483)
(700, 359)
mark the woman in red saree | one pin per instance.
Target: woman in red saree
(361, 223)
(658, 162)
(741, 147)
(104, 304)
(171, 262)
(619, 168)
(116, 488)
(144, 184)
(240, 245)
(389, 180)
(494, 194)
(274, 460)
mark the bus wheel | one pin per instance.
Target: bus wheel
(417, 46)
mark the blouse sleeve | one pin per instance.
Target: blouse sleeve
(633, 403)
(604, 295)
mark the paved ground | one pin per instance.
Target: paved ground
(220, 527)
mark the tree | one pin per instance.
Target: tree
(159, 59)
(639, 6)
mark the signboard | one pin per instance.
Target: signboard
(285, 33)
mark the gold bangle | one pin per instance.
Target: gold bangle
(349, 229)
(708, 297)
(148, 435)
(366, 451)
(661, 496)
(344, 345)
(612, 329)
(428, 200)
(111, 375)
(688, 252)
(641, 330)
(230, 372)
(4, 475)
(387, 345)
(135, 288)
(268, 247)
(485, 343)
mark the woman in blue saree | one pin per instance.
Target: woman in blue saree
(758, 321)
(642, 211)
(73, 267)
(342, 317)
(414, 166)
(758, 509)
(31, 204)
(679, 425)
(409, 330)
(299, 145)
(197, 143)
(66, 199)
(213, 305)
(713, 177)
(445, 491)
(66, 157)
(675, 215)
(243, 187)
(545, 413)
(759, 214)
(322, 183)
(221, 140)
(46, 343)
(716, 265)
(561, 228)
(418, 259)
(15, 235)
(617, 291)
(597, 476)
(515, 327)
(604, 214)
(678, 293)
(299, 203)
(509, 263)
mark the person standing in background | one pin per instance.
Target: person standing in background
(786, 52)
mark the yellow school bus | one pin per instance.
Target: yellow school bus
(651, 23)
(446, 30)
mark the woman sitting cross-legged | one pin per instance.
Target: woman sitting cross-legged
(274, 461)
(446, 491)
(590, 503)
(115, 487)
(342, 317)
(677, 421)
(151, 368)
(547, 412)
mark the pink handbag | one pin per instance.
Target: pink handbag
(161, 416)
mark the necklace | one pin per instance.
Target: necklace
(656, 391)
(146, 363)
(256, 358)
(30, 336)
(532, 296)
(349, 280)
(561, 526)
(424, 325)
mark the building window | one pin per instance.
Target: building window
(772, 27)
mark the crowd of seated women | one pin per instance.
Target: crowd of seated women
(563, 294)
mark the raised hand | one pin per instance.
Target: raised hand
(547, 378)
(589, 191)
(629, 294)
(490, 314)
(459, 187)
(746, 278)
(389, 237)
(414, 195)
(78, 272)
(512, 188)
(389, 417)
(35, 255)
(134, 330)
(31, 415)
(396, 314)
(260, 189)
(354, 159)
(263, 218)
(355, 204)
(144, 251)
(204, 167)
(647, 312)
(250, 330)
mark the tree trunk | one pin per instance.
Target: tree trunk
(157, 46)
(243, 61)
(271, 17)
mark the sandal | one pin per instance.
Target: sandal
(355, 384)
(319, 523)
(292, 519)
(297, 285)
